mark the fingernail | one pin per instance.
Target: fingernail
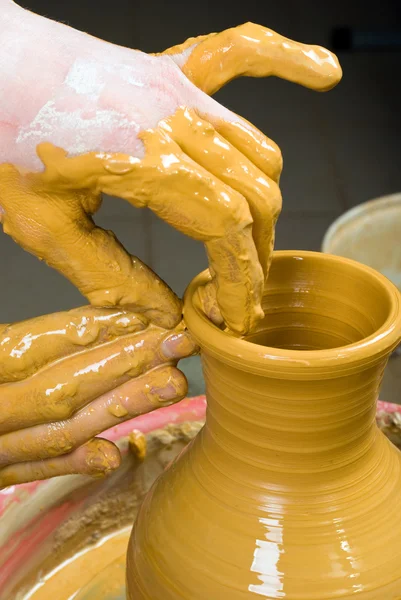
(167, 395)
(171, 393)
(179, 345)
(102, 458)
(168, 385)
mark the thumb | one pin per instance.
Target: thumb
(251, 50)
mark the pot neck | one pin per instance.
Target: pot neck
(290, 425)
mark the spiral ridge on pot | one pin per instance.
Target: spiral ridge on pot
(290, 490)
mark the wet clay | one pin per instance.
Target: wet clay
(28, 346)
(189, 177)
(251, 50)
(290, 490)
(67, 377)
(138, 444)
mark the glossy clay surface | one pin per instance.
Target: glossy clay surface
(290, 490)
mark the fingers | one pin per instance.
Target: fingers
(178, 190)
(239, 279)
(205, 146)
(207, 204)
(200, 205)
(189, 198)
(255, 51)
(97, 458)
(50, 219)
(258, 148)
(208, 301)
(58, 391)
(240, 133)
(28, 346)
(161, 387)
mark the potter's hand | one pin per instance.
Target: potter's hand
(112, 121)
(66, 377)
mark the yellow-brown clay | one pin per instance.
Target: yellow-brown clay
(138, 444)
(101, 459)
(59, 390)
(255, 51)
(191, 177)
(118, 410)
(28, 346)
(67, 377)
(290, 490)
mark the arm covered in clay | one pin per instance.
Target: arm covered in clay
(102, 118)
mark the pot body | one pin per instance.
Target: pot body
(290, 490)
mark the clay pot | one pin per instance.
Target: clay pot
(290, 490)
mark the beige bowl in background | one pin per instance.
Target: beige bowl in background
(371, 234)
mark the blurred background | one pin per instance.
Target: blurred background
(340, 149)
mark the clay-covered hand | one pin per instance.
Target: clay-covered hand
(103, 118)
(66, 377)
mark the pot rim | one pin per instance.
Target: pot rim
(297, 364)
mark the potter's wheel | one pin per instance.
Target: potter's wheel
(96, 574)
(108, 585)
(66, 538)
(82, 555)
